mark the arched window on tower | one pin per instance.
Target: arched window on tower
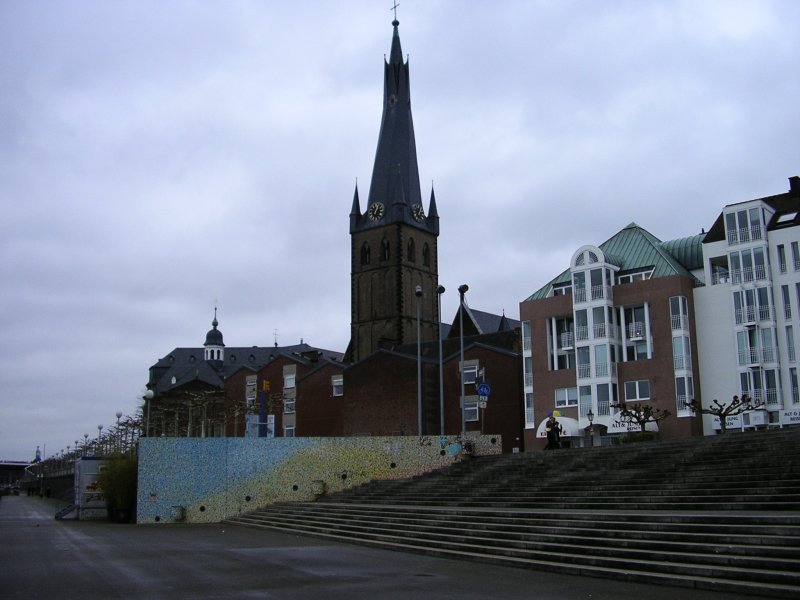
(365, 254)
(426, 255)
(412, 252)
(385, 249)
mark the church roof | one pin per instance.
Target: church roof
(395, 173)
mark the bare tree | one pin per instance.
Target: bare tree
(723, 410)
(640, 414)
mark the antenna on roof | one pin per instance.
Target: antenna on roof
(275, 334)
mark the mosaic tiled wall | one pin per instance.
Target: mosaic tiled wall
(204, 480)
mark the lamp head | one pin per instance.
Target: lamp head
(418, 291)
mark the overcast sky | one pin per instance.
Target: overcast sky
(159, 157)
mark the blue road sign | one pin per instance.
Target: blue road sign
(484, 389)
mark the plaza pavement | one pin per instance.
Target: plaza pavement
(44, 558)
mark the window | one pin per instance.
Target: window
(796, 255)
(637, 390)
(684, 391)
(288, 431)
(288, 405)
(288, 380)
(790, 343)
(787, 304)
(566, 397)
(782, 258)
(529, 422)
(470, 371)
(679, 312)
(793, 385)
(365, 254)
(384, 249)
(411, 251)
(337, 385)
(471, 408)
(426, 255)
(562, 289)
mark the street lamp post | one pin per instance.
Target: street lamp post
(462, 289)
(590, 416)
(147, 397)
(418, 294)
(440, 291)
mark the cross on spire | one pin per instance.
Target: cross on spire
(394, 8)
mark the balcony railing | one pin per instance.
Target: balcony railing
(566, 340)
(771, 395)
(605, 369)
(684, 402)
(718, 277)
(745, 234)
(599, 331)
(795, 395)
(765, 313)
(528, 379)
(746, 315)
(578, 295)
(584, 371)
(787, 312)
(748, 356)
(582, 332)
(679, 322)
(526, 344)
(635, 331)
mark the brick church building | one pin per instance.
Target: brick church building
(401, 372)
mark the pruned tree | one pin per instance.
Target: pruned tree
(723, 410)
(640, 414)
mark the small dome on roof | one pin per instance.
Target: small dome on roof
(214, 335)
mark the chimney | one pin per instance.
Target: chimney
(794, 184)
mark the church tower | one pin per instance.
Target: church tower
(394, 242)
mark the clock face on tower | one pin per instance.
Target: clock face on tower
(418, 212)
(375, 211)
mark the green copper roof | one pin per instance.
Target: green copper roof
(635, 248)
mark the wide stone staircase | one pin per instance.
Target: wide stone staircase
(719, 513)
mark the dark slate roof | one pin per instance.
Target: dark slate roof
(188, 364)
(635, 248)
(481, 322)
(395, 174)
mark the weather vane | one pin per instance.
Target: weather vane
(394, 8)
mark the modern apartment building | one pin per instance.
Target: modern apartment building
(638, 320)
(748, 313)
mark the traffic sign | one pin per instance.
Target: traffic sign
(484, 389)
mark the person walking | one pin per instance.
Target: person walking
(553, 434)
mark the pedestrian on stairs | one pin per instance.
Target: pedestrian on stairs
(553, 434)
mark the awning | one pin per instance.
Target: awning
(569, 428)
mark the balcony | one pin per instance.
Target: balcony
(765, 313)
(579, 295)
(584, 371)
(679, 362)
(749, 356)
(528, 379)
(635, 331)
(582, 333)
(566, 341)
(679, 322)
(605, 369)
(526, 344)
(684, 402)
